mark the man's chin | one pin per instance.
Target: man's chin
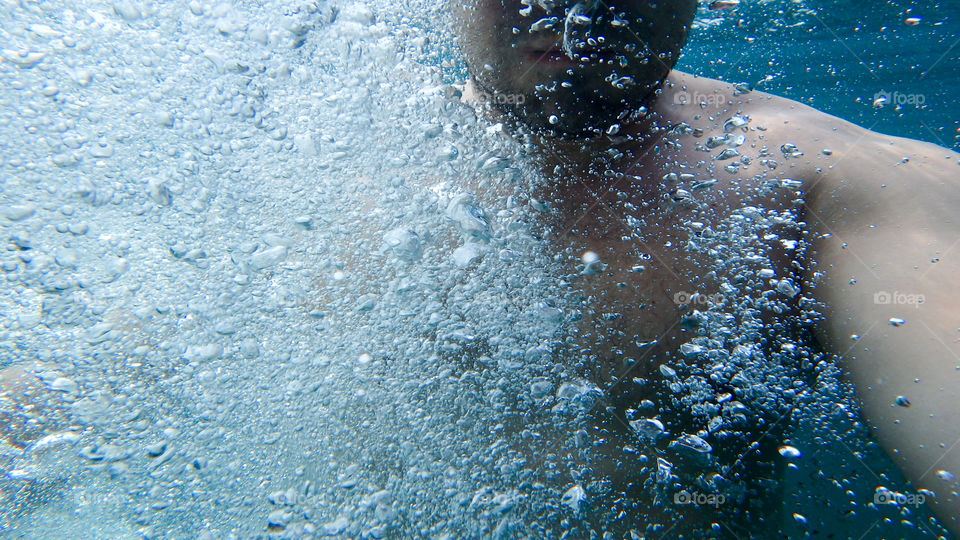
(574, 121)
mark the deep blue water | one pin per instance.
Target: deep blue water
(836, 56)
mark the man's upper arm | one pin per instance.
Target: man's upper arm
(888, 247)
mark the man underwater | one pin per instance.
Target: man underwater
(592, 85)
(618, 128)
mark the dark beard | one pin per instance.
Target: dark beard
(579, 116)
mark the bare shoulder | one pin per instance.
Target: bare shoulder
(821, 149)
(779, 113)
(775, 118)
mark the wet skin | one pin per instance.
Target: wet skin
(875, 217)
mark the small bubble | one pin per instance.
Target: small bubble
(946, 476)
(664, 471)
(648, 427)
(591, 263)
(573, 497)
(734, 123)
(729, 153)
(692, 443)
(789, 452)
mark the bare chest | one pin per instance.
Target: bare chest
(632, 276)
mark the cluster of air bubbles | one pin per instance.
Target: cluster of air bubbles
(277, 279)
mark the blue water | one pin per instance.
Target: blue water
(836, 56)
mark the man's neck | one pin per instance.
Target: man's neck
(646, 128)
(588, 155)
